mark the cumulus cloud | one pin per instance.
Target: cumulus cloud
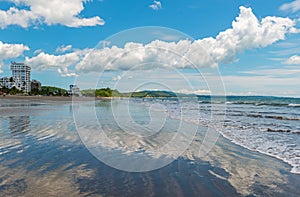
(247, 32)
(11, 50)
(293, 60)
(197, 92)
(156, 5)
(8, 51)
(117, 78)
(137, 56)
(14, 16)
(64, 72)
(43, 60)
(293, 6)
(38, 51)
(52, 12)
(63, 49)
(61, 62)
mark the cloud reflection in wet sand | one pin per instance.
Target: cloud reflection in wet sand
(49, 159)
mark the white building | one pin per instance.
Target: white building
(21, 75)
(74, 90)
(9, 82)
(20, 78)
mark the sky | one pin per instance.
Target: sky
(231, 47)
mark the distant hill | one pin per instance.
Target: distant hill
(53, 89)
(103, 92)
(107, 92)
(150, 93)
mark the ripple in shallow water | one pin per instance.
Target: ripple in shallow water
(43, 155)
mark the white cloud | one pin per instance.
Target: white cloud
(247, 32)
(61, 62)
(8, 51)
(167, 36)
(117, 78)
(197, 92)
(63, 49)
(64, 72)
(44, 60)
(52, 12)
(38, 51)
(281, 72)
(136, 56)
(14, 16)
(295, 59)
(293, 6)
(156, 5)
(263, 85)
(105, 43)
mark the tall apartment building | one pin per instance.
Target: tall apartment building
(21, 74)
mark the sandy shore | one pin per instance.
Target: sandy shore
(41, 154)
(53, 98)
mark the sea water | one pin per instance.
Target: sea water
(41, 154)
(270, 125)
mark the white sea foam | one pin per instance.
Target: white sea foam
(294, 105)
(277, 137)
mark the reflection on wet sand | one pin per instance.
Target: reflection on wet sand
(19, 124)
(50, 160)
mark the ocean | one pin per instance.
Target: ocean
(270, 125)
(150, 147)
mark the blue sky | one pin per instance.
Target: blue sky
(184, 46)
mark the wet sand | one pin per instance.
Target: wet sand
(41, 154)
(53, 98)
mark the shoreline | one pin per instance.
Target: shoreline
(228, 169)
(293, 166)
(249, 170)
(54, 98)
(82, 99)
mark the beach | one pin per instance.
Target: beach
(52, 98)
(20, 97)
(149, 98)
(43, 153)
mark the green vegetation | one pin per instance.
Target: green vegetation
(149, 93)
(50, 91)
(107, 92)
(12, 91)
(46, 91)
(104, 92)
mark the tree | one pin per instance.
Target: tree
(14, 91)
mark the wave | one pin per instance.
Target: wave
(282, 131)
(251, 103)
(279, 130)
(269, 135)
(272, 117)
(267, 147)
(255, 115)
(294, 105)
(282, 118)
